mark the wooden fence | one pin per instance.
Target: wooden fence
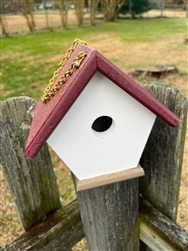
(113, 217)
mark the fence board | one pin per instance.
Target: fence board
(158, 231)
(32, 183)
(59, 231)
(110, 216)
(163, 154)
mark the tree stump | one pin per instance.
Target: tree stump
(156, 71)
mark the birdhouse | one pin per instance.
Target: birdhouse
(96, 118)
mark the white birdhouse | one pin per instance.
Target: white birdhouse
(96, 119)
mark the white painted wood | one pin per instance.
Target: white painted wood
(89, 154)
(153, 240)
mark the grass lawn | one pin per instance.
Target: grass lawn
(28, 62)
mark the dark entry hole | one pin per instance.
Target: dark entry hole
(102, 124)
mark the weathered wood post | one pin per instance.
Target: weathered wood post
(32, 183)
(163, 154)
(110, 216)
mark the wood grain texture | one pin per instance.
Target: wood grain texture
(108, 178)
(32, 183)
(60, 231)
(110, 216)
(164, 231)
(163, 154)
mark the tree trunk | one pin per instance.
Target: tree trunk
(4, 27)
(79, 5)
(63, 13)
(27, 11)
(92, 7)
(3, 21)
(110, 9)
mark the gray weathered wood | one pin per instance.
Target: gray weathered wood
(163, 154)
(59, 231)
(164, 230)
(32, 183)
(110, 216)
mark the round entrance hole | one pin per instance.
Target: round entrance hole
(103, 126)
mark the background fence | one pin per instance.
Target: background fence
(47, 14)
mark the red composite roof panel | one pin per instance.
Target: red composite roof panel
(136, 91)
(48, 115)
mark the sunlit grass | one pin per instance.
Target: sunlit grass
(26, 60)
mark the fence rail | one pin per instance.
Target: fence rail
(62, 232)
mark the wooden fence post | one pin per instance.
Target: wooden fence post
(110, 216)
(32, 183)
(163, 154)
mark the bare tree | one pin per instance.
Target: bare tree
(110, 9)
(27, 7)
(63, 4)
(3, 21)
(162, 6)
(79, 8)
(92, 8)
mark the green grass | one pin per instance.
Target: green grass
(26, 67)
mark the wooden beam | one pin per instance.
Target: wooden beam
(152, 239)
(59, 231)
(63, 229)
(159, 232)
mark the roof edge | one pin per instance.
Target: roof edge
(74, 89)
(136, 91)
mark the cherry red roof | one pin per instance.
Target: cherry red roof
(48, 115)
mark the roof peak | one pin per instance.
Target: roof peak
(48, 115)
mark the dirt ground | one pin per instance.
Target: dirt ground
(10, 226)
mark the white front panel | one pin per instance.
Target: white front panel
(89, 153)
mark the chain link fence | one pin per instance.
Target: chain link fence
(167, 10)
